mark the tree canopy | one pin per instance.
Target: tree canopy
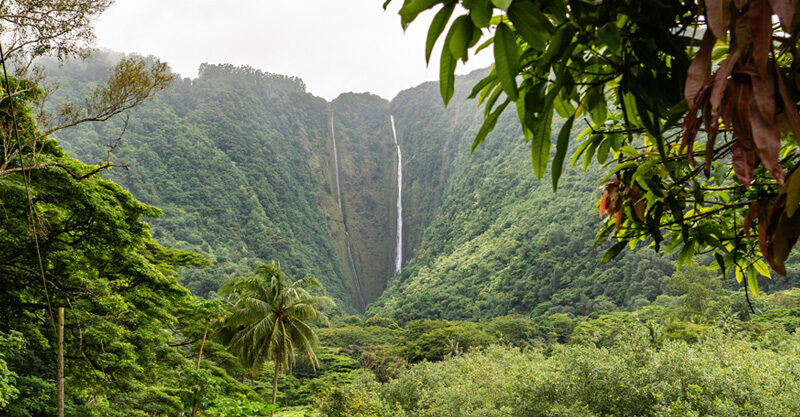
(691, 107)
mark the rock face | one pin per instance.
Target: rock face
(243, 166)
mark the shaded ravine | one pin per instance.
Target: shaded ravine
(356, 282)
(398, 263)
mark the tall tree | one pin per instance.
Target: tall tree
(692, 106)
(270, 320)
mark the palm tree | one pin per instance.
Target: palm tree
(270, 318)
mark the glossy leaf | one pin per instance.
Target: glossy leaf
(506, 58)
(614, 251)
(436, 28)
(561, 150)
(480, 12)
(502, 4)
(488, 125)
(718, 13)
(540, 142)
(411, 9)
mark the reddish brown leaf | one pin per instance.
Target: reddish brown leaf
(618, 219)
(609, 199)
(760, 16)
(700, 68)
(785, 11)
(789, 109)
(692, 123)
(721, 78)
(712, 127)
(639, 207)
(741, 27)
(743, 164)
(764, 93)
(781, 235)
(767, 139)
(748, 219)
(718, 14)
(603, 204)
(737, 110)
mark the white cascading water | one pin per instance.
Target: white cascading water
(355, 274)
(336, 164)
(347, 234)
(398, 261)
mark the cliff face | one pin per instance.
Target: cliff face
(242, 164)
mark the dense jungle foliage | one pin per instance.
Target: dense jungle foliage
(482, 237)
(134, 334)
(698, 350)
(223, 156)
(503, 308)
(501, 241)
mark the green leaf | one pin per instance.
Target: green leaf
(523, 117)
(609, 35)
(484, 45)
(506, 60)
(752, 281)
(595, 102)
(459, 37)
(411, 9)
(686, 254)
(532, 25)
(719, 174)
(488, 124)
(487, 108)
(614, 251)
(587, 157)
(721, 263)
(437, 27)
(762, 268)
(480, 12)
(676, 113)
(602, 151)
(561, 150)
(482, 83)
(582, 148)
(563, 107)
(792, 188)
(540, 142)
(559, 46)
(447, 69)
(502, 4)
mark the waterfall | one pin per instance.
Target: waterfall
(336, 165)
(346, 233)
(398, 262)
(355, 274)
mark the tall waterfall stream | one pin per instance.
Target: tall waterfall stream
(347, 234)
(398, 260)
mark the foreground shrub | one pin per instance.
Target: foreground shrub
(718, 376)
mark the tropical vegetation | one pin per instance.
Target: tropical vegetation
(112, 306)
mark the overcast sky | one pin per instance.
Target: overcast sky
(335, 46)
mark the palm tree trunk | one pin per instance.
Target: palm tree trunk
(199, 357)
(275, 384)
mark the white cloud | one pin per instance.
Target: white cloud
(335, 46)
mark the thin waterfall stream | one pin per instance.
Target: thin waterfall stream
(398, 260)
(346, 233)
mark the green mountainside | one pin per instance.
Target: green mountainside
(242, 164)
(491, 239)
(233, 159)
